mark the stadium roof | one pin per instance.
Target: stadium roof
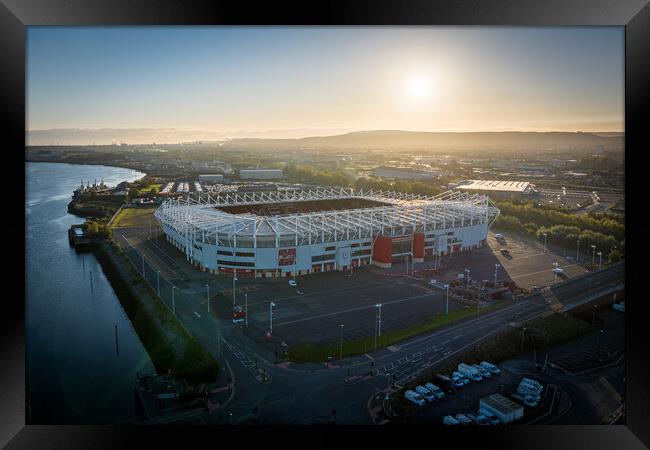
(494, 185)
(199, 217)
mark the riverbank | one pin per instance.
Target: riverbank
(167, 342)
(73, 161)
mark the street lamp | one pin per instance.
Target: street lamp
(447, 303)
(496, 267)
(341, 347)
(600, 264)
(467, 285)
(234, 280)
(271, 305)
(378, 323)
(246, 308)
(578, 251)
(544, 242)
(159, 283)
(555, 264)
(173, 300)
(208, 287)
(593, 254)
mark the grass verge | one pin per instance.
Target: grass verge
(356, 347)
(133, 217)
(168, 344)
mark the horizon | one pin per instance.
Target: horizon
(175, 84)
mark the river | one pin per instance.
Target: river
(75, 372)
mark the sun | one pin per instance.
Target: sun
(419, 87)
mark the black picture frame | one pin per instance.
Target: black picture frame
(16, 15)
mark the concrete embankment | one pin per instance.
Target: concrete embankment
(167, 342)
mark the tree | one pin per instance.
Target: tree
(614, 256)
(134, 193)
(154, 190)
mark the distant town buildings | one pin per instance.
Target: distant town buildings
(403, 173)
(211, 178)
(260, 174)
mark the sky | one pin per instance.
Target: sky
(300, 81)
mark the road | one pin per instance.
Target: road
(308, 394)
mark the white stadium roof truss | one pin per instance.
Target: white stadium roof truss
(199, 217)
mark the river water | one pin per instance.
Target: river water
(76, 374)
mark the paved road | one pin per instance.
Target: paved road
(308, 395)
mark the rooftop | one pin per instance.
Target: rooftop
(494, 185)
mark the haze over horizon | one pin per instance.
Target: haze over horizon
(177, 84)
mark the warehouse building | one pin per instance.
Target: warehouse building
(497, 189)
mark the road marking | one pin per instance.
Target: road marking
(197, 314)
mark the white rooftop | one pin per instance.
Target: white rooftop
(494, 185)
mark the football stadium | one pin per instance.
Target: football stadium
(285, 233)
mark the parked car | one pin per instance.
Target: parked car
(492, 418)
(414, 397)
(436, 390)
(619, 307)
(505, 252)
(470, 372)
(459, 378)
(527, 400)
(491, 367)
(533, 382)
(527, 392)
(426, 393)
(450, 420)
(535, 386)
(482, 371)
(464, 420)
(558, 270)
(445, 383)
(293, 283)
(479, 419)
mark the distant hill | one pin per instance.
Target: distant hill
(394, 139)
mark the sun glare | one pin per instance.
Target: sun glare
(419, 87)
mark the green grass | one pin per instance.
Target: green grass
(133, 217)
(355, 347)
(148, 188)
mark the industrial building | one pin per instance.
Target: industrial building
(402, 173)
(260, 174)
(281, 233)
(503, 189)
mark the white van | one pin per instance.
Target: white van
(414, 397)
